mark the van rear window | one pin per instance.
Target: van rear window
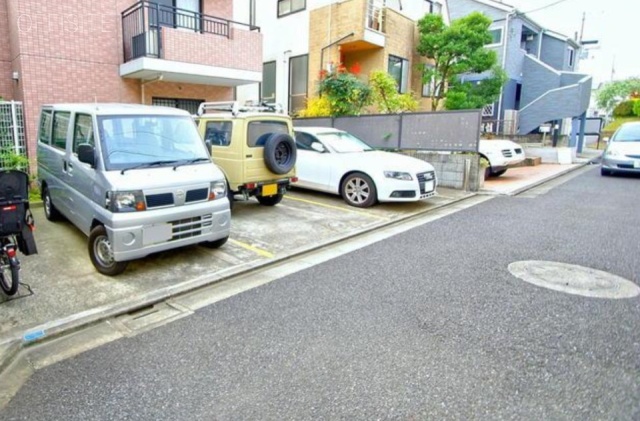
(259, 131)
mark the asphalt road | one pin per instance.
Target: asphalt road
(428, 324)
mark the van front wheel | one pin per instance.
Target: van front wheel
(101, 253)
(50, 211)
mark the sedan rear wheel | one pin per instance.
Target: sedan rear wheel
(359, 190)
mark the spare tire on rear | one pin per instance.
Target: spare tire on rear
(280, 153)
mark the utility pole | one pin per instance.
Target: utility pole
(582, 27)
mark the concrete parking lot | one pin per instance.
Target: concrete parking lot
(62, 289)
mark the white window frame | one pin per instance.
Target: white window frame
(501, 29)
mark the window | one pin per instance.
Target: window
(259, 131)
(572, 54)
(190, 105)
(218, 133)
(298, 78)
(428, 87)
(130, 140)
(399, 70)
(287, 7)
(60, 129)
(496, 36)
(304, 141)
(45, 127)
(269, 81)
(433, 7)
(82, 131)
(175, 13)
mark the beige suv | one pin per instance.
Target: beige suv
(253, 146)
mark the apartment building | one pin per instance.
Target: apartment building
(165, 52)
(543, 85)
(303, 37)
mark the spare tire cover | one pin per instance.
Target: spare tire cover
(280, 153)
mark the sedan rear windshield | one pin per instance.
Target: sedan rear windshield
(627, 134)
(133, 140)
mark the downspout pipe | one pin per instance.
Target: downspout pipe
(146, 82)
(504, 65)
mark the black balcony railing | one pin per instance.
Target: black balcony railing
(142, 23)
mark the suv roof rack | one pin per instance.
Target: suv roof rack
(235, 108)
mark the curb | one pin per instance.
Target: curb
(547, 179)
(14, 345)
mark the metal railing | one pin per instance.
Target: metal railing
(143, 21)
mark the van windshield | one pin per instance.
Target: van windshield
(135, 140)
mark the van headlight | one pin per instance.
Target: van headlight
(613, 152)
(218, 190)
(125, 201)
(398, 175)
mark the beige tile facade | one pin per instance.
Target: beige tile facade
(71, 51)
(330, 23)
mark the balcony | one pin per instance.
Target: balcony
(188, 47)
(365, 19)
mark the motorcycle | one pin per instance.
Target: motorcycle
(16, 227)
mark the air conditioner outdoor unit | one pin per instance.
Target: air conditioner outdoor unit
(529, 37)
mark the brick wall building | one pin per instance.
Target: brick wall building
(79, 51)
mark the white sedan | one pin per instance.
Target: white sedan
(334, 161)
(501, 154)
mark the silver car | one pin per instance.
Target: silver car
(135, 179)
(623, 151)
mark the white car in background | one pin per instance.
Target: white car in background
(501, 154)
(334, 161)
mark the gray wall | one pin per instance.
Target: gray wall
(462, 8)
(434, 131)
(509, 95)
(537, 79)
(555, 53)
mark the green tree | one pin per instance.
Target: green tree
(636, 107)
(455, 50)
(463, 95)
(346, 93)
(612, 93)
(385, 95)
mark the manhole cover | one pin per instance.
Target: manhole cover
(574, 279)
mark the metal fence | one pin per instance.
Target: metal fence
(13, 149)
(457, 131)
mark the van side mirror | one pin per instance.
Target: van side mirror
(87, 154)
(318, 147)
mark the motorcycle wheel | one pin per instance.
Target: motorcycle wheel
(10, 286)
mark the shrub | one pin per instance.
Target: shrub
(317, 107)
(347, 94)
(636, 107)
(385, 95)
(624, 109)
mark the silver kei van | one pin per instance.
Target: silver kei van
(135, 179)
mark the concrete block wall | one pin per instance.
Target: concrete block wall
(450, 168)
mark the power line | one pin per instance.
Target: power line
(545, 7)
